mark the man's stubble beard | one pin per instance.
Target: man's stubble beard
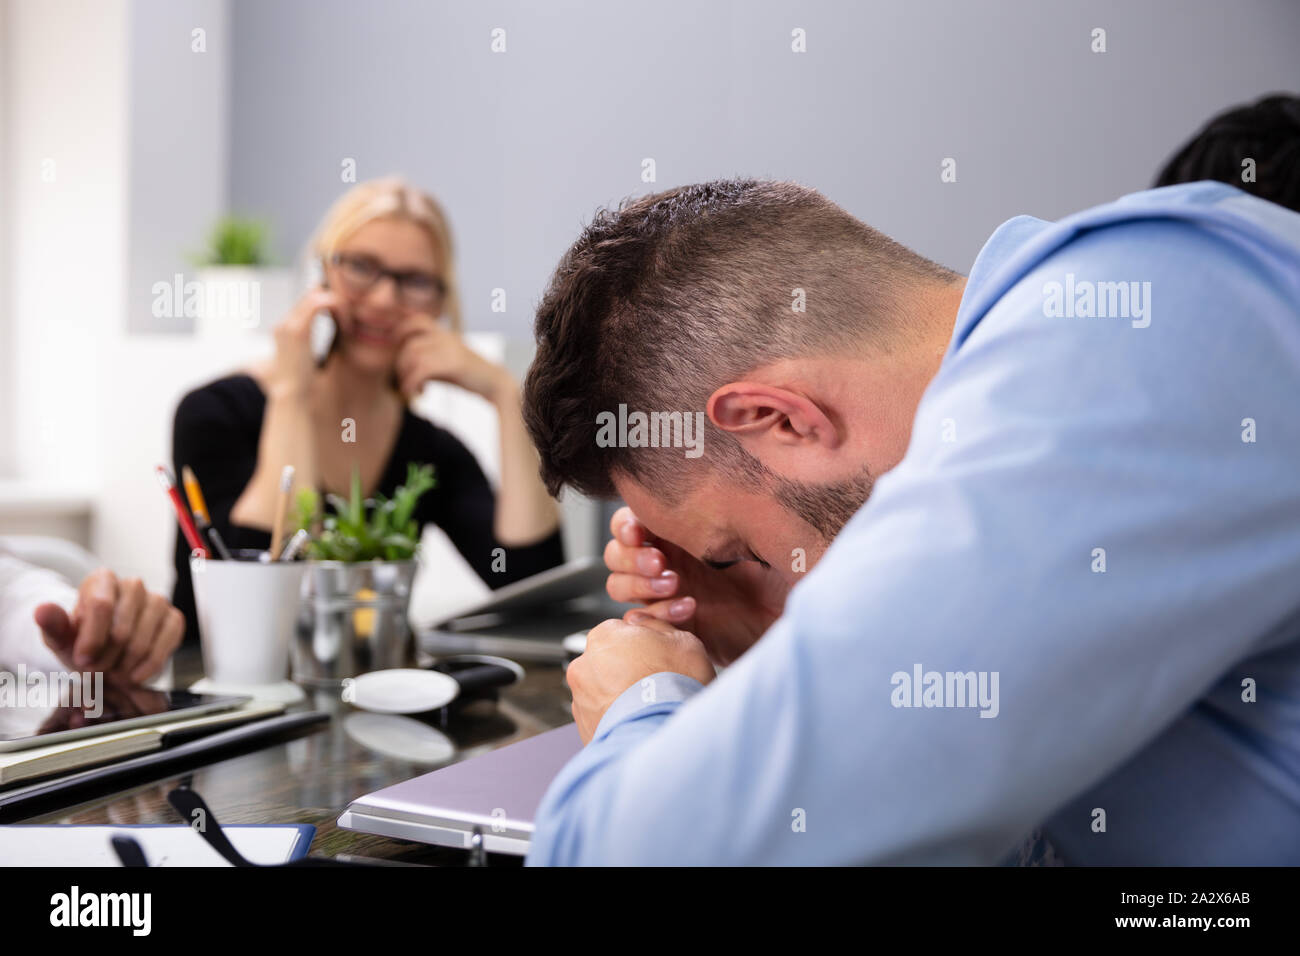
(826, 507)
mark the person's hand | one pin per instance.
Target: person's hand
(291, 370)
(620, 654)
(729, 610)
(117, 627)
(429, 351)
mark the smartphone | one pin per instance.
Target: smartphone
(324, 327)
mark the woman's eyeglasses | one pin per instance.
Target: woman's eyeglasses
(415, 289)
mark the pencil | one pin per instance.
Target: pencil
(200, 508)
(182, 515)
(281, 506)
(195, 496)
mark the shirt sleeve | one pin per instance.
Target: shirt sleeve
(23, 588)
(647, 698)
(1094, 519)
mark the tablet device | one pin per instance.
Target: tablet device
(107, 710)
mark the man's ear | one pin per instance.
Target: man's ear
(762, 414)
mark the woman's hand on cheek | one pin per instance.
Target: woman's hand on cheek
(294, 364)
(429, 351)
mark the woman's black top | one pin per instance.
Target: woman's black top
(216, 433)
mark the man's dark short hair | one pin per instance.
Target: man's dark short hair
(666, 298)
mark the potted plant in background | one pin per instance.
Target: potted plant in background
(362, 562)
(240, 290)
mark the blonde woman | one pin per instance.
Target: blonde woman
(389, 282)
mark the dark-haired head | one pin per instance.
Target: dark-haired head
(1255, 148)
(795, 338)
(664, 299)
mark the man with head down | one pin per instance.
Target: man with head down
(1058, 493)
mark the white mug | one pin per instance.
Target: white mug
(247, 611)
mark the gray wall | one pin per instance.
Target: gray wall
(179, 123)
(523, 146)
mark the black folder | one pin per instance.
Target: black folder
(14, 803)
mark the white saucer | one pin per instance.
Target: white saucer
(400, 737)
(281, 692)
(403, 690)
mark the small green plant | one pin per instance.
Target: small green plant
(236, 241)
(366, 530)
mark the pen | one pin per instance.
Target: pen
(183, 516)
(200, 509)
(281, 506)
(217, 543)
(295, 545)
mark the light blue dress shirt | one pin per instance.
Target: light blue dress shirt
(1097, 520)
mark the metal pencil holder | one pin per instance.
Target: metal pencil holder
(354, 620)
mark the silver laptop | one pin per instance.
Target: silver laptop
(498, 792)
(575, 579)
